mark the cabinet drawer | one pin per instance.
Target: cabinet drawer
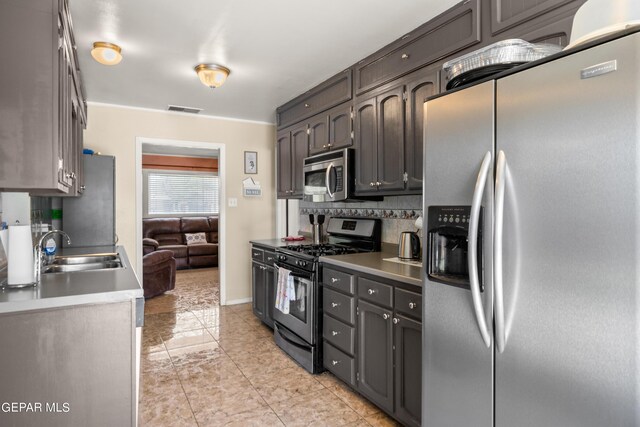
(409, 303)
(338, 363)
(375, 292)
(339, 334)
(448, 33)
(339, 306)
(269, 257)
(257, 254)
(338, 280)
(334, 91)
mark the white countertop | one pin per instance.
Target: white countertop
(74, 288)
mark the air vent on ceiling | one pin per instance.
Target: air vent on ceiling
(181, 109)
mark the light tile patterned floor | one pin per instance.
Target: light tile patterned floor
(207, 365)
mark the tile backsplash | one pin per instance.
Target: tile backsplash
(398, 213)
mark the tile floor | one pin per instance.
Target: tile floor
(209, 365)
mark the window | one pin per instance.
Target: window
(179, 193)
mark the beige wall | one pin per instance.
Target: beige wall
(113, 130)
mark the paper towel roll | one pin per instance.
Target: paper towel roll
(20, 270)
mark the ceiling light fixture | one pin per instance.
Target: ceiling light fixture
(212, 75)
(106, 53)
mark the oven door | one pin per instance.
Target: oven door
(302, 310)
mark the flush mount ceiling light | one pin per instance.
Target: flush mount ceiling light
(106, 53)
(212, 75)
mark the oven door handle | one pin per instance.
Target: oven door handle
(290, 338)
(327, 181)
(308, 277)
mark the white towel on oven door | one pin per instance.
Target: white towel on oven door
(285, 291)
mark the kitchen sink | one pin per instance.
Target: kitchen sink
(66, 264)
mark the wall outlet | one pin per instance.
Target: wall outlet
(233, 202)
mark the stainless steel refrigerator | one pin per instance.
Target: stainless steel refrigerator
(532, 291)
(90, 219)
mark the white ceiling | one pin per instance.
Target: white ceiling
(276, 49)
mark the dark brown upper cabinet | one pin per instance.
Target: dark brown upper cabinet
(419, 86)
(446, 34)
(331, 130)
(292, 148)
(506, 14)
(42, 99)
(332, 92)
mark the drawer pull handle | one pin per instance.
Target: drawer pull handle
(334, 304)
(405, 56)
(334, 333)
(385, 316)
(334, 280)
(395, 320)
(335, 362)
(412, 305)
(372, 291)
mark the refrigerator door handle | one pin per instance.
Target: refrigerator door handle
(478, 193)
(501, 177)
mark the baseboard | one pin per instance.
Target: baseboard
(239, 301)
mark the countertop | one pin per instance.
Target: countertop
(366, 262)
(374, 263)
(74, 288)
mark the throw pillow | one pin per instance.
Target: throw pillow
(195, 238)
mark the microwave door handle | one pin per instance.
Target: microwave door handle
(473, 248)
(326, 179)
(501, 179)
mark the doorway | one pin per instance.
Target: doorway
(182, 148)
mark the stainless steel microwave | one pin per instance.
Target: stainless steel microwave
(328, 177)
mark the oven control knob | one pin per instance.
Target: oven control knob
(303, 263)
(282, 258)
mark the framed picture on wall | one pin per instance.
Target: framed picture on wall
(250, 162)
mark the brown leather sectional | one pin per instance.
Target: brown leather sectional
(169, 234)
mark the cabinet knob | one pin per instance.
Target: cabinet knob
(378, 183)
(405, 56)
(83, 187)
(335, 362)
(385, 316)
(372, 291)
(395, 320)
(334, 333)
(324, 145)
(306, 105)
(412, 305)
(269, 258)
(334, 280)
(372, 184)
(334, 304)
(329, 145)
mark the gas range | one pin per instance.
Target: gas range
(298, 330)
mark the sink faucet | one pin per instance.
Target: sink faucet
(38, 255)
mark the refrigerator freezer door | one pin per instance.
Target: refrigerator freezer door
(571, 241)
(457, 387)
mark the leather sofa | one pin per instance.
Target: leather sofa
(170, 234)
(158, 273)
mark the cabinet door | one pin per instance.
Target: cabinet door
(408, 373)
(270, 288)
(283, 146)
(340, 127)
(258, 289)
(299, 150)
(366, 140)
(391, 140)
(418, 89)
(318, 134)
(507, 13)
(375, 355)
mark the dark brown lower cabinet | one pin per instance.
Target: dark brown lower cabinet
(263, 285)
(375, 354)
(408, 369)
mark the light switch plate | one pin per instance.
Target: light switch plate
(233, 202)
